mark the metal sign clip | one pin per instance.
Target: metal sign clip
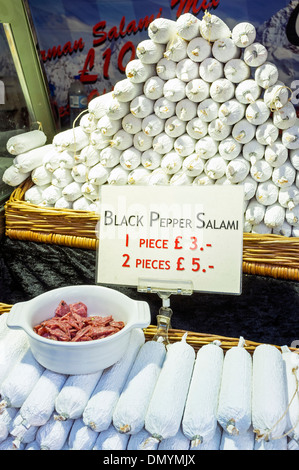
(164, 289)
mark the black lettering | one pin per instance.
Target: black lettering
(233, 225)
(201, 221)
(130, 218)
(139, 220)
(108, 218)
(124, 221)
(154, 216)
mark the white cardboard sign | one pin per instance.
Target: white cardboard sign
(174, 234)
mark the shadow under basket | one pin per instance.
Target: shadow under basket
(266, 255)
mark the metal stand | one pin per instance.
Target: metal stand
(164, 289)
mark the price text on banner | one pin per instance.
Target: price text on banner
(179, 233)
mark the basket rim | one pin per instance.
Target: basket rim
(195, 339)
(270, 255)
(17, 197)
(18, 194)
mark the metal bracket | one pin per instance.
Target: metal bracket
(164, 289)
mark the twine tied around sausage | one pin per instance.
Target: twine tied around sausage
(267, 434)
(171, 43)
(74, 125)
(273, 106)
(207, 14)
(75, 143)
(40, 126)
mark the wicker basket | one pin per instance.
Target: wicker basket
(4, 308)
(266, 255)
(196, 340)
(30, 222)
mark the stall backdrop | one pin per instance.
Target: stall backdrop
(96, 38)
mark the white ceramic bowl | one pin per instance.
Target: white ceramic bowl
(82, 357)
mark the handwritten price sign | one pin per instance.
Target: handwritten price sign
(176, 234)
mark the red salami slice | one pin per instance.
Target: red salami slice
(87, 331)
(62, 309)
(117, 324)
(99, 321)
(79, 308)
(71, 323)
(103, 331)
